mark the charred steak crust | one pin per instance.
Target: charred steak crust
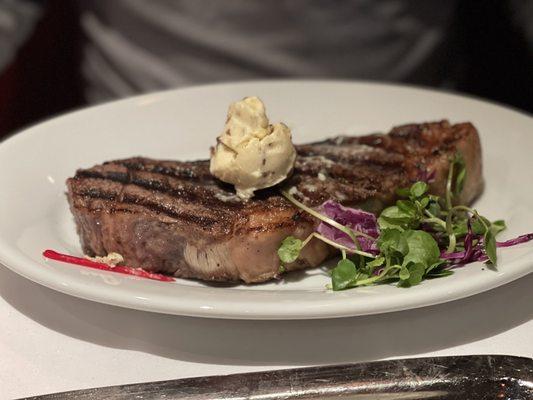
(175, 218)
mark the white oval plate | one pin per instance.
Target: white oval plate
(182, 124)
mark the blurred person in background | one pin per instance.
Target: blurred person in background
(98, 50)
(137, 46)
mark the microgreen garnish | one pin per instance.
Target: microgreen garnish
(289, 249)
(422, 236)
(456, 178)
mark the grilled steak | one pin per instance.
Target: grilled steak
(175, 218)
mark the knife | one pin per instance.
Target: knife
(464, 377)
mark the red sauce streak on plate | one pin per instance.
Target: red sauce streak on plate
(121, 269)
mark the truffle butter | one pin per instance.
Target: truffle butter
(251, 153)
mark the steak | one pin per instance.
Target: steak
(175, 218)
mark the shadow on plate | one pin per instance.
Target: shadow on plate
(234, 342)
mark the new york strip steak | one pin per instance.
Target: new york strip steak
(175, 218)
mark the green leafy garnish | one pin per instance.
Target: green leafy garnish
(456, 178)
(489, 242)
(416, 274)
(420, 237)
(498, 226)
(418, 189)
(290, 249)
(392, 244)
(407, 256)
(343, 275)
(422, 249)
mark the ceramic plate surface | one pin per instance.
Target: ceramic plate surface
(182, 124)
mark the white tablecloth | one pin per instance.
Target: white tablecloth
(52, 342)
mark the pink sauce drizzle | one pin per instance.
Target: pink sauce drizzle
(121, 269)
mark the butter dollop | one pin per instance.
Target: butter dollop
(251, 153)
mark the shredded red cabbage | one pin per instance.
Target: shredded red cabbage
(365, 222)
(476, 253)
(465, 257)
(357, 220)
(520, 239)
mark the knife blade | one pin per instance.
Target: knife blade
(461, 377)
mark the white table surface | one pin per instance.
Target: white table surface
(52, 342)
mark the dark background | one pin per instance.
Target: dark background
(44, 79)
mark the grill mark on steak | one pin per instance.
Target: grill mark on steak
(149, 184)
(125, 200)
(97, 194)
(174, 217)
(353, 178)
(157, 182)
(162, 208)
(186, 171)
(123, 192)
